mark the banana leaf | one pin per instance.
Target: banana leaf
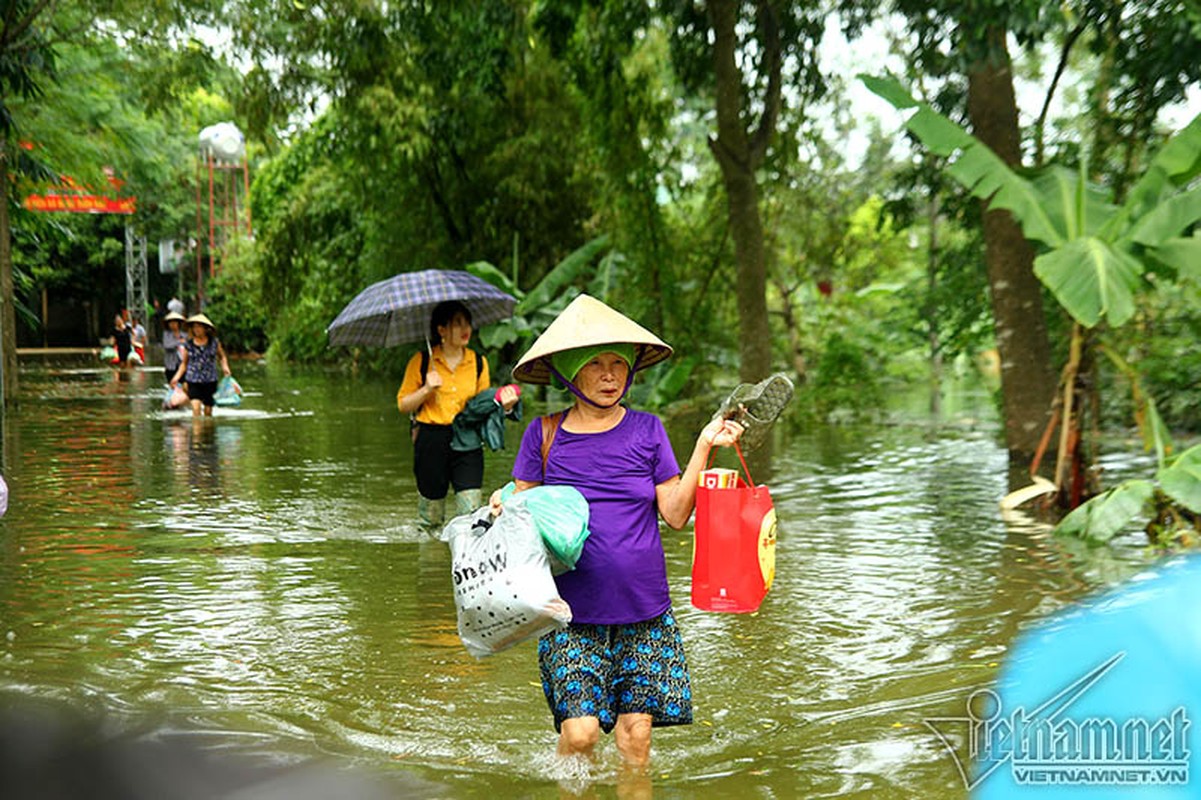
(1093, 266)
(1091, 280)
(1107, 514)
(1182, 480)
(1182, 254)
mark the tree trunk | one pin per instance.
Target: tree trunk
(746, 229)
(931, 313)
(8, 319)
(1027, 378)
(739, 154)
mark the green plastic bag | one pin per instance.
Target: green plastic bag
(561, 516)
(228, 393)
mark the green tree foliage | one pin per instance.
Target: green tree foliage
(97, 99)
(617, 57)
(1144, 56)
(26, 63)
(1164, 339)
(751, 51)
(1095, 249)
(430, 153)
(388, 137)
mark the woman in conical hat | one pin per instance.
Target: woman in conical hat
(173, 339)
(619, 666)
(199, 357)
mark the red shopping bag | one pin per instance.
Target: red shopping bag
(734, 552)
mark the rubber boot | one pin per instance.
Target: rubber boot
(431, 514)
(468, 500)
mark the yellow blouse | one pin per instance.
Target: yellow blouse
(458, 385)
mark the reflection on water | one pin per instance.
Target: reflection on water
(257, 580)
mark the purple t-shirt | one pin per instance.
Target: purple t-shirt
(621, 576)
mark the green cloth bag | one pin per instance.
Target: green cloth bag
(561, 515)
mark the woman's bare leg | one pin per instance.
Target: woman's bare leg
(578, 736)
(633, 737)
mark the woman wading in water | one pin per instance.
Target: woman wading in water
(619, 666)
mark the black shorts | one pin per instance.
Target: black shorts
(438, 467)
(203, 392)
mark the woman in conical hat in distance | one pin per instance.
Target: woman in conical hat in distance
(198, 364)
(619, 666)
(173, 340)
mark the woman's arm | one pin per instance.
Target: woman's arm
(524, 452)
(224, 360)
(408, 403)
(414, 400)
(183, 366)
(518, 486)
(677, 496)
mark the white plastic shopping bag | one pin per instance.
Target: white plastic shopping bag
(504, 591)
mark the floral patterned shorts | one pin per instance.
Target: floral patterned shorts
(605, 670)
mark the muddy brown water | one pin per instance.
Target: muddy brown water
(254, 586)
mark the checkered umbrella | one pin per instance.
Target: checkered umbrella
(397, 310)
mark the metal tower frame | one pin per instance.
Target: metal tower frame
(136, 281)
(228, 183)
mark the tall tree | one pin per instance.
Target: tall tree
(1144, 50)
(967, 43)
(26, 61)
(747, 46)
(740, 153)
(1027, 376)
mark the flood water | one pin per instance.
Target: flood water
(255, 583)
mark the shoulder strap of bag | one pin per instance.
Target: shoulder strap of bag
(550, 426)
(425, 367)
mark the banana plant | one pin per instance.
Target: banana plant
(1095, 255)
(538, 307)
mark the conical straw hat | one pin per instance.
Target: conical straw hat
(202, 319)
(585, 322)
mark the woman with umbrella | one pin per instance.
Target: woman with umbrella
(437, 386)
